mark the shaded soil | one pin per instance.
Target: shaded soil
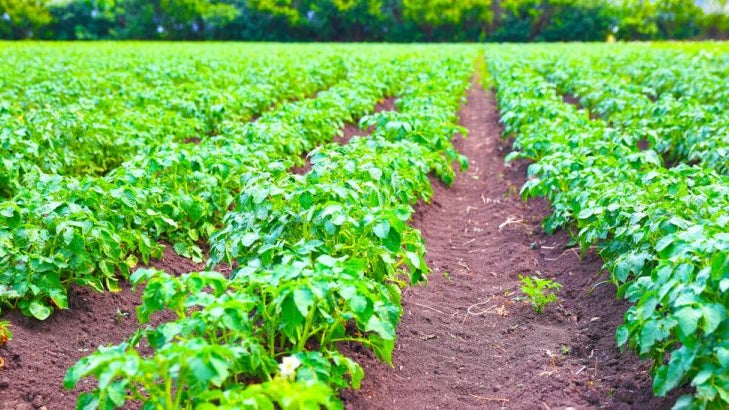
(571, 99)
(467, 339)
(37, 358)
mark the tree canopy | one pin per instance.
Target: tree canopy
(363, 20)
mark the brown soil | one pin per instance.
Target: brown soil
(467, 340)
(37, 358)
(571, 99)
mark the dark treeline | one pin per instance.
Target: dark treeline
(364, 20)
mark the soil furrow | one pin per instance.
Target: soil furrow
(467, 339)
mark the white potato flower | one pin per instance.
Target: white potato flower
(288, 366)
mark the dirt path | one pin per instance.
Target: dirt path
(465, 340)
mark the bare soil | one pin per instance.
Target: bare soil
(466, 339)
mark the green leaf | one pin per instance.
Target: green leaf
(75, 373)
(724, 285)
(304, 300)
(249, 238)
(393, 240)
(59, 298)
(621, 335)
(375, 173)
(648, 335)
(382, 229)
(669, 376)
(713, 314)
(586, 213)
(688, 319)
(181, 249)
(719, 266)
(684, 402)
(631, 263)
(383, 328)
(209, 369)
(414, 259)
(87, 401)
(327, 261)
(169, 221)
(722, 355)
(39, 310)
(117, 393)
(306, 200)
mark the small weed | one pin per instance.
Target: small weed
(120, 315)
(537, 290)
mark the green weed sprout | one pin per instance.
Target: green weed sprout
(538, 291)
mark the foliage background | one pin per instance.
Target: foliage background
(364, 20)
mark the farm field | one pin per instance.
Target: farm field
(269, 225)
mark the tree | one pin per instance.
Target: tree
(581, 20)
(678, 19)
(362, 20)
(22, 18)
(638, 20)
(339, 20)
(715, 24)
(286, 8)
(81, 19)
(436, 17)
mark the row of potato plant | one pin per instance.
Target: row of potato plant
(663, 233)
(676, 102)
(62, 230)
(318, 261)
(689, 117)
(83, 111)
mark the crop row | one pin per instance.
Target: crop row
(319, 260)
(662, 232)
(79, 114)
(675, 102)
(61, 230)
